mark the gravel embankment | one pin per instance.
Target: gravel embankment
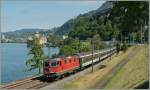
(114, 70)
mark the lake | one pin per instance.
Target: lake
(13, 58)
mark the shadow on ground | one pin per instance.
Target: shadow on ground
(144, 85)
(43, 79)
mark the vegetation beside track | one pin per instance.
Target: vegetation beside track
(92, 79)
(134, 73)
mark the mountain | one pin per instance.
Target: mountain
(22, 34)
(23, 31)
(105, 9)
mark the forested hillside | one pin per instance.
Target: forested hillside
(120, 20)
(126, 22)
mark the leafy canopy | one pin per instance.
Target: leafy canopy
(37, 56)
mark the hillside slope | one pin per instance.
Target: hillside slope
(130, 75)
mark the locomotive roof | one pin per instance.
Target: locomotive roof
(58, 59)
(55, 59)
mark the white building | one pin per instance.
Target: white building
(42, 39)
(37, 34)
(64, 36)
(3, 36)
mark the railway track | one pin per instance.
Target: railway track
(30, 83)
(16, 84)
(38, 86)
(19, 83)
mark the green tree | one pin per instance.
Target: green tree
(96, 40)
(118, 47)
(103, 33)
(109, 29)
(37, 56)
(85, 46)
(67, 50)
(115, 32)
(124, 46)
(132, 16)
(52, 41)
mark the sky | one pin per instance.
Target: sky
(43, 14)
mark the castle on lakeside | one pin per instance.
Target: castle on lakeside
(42, 38)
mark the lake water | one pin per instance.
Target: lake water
(13, 58)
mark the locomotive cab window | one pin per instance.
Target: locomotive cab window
(53, 64)
(46, 64)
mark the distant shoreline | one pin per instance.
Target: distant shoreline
(15, 42)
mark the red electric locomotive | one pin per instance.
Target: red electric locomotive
(58, 67)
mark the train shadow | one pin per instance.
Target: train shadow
(43, 79)
(49, 80)
(102, 66)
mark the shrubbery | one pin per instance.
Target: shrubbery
(124, 46)
(118, 47)
(121, 47)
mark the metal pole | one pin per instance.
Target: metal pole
(110, 53)
(133, 38)
(121, 37)
(144, 31)
(99, 53)
(80, 46)
(141, 33)
(92, 54)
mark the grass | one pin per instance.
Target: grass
(134, 73)
(91, 80)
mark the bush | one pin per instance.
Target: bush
(124, 47)
(118, 47)
(67, 50)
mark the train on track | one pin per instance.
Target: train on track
(59, 67)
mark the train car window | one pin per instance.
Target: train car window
(70, 61)
(74, 59)
(54, 64)
(60, 63)
(65, 61)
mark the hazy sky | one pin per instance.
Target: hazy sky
(44, 14)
